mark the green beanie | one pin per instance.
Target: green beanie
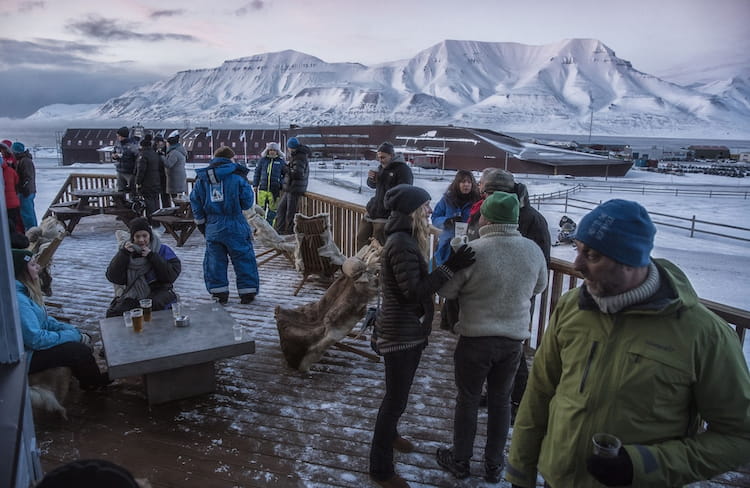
(501, 208)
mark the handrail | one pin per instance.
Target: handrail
(345, 217)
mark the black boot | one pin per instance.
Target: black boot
(246, 298)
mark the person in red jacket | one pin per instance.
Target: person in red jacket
(12, 203)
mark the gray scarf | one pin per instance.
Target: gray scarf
(138, 267)
(639, 294)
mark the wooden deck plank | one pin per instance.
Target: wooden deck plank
(266, 425)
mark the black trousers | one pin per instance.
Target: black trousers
(76, 356)
(285, 213)
(400, 368)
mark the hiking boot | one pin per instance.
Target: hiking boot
(460, 469)
(223, 297)
(403, 445)
(492, 472)
(394, 481)
(247, 298)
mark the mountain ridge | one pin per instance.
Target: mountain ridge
(572, 85)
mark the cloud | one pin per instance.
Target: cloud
(166, 13)
(44, 52)
(254, 5)
(113, 30)
(24, 90)
(26, 7)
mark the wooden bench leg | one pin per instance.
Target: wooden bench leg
(301, 283)
(348, 348)
(185, 235)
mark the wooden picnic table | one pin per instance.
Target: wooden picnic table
(178, 220)
(93, 201)
(176, 362)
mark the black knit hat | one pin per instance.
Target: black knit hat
(21, 258)
(140, 223)
(89, 473)
(386, 147)
(123, 131)
(405, 198)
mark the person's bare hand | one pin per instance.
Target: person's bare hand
(372, 174)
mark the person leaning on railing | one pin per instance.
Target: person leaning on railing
(632, 353)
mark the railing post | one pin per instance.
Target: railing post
(692, 226)
(566, 203)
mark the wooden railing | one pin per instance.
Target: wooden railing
(345, 219)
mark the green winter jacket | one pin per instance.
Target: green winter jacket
(645, 374)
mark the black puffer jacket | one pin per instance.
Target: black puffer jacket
(147, 172)
(407, 307)
(395, 173)
(531, 223)
(298, 170)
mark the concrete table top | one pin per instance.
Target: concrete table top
(162, 346)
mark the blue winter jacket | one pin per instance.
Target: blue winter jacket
(39, 330)
(269, 179)
(444, 210)
(220, 194)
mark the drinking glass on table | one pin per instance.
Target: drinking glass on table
(237, 329)
(146, 306)
(177, 309)
(128, 319)
(137, 316)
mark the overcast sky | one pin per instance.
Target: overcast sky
(78, 51)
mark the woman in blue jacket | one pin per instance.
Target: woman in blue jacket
(453, 207)
(48, 342)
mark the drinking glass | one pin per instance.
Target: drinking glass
(606, 445)
(237, 329)
(146, 306)
(137, 316)
(176, 309)
(128, 319)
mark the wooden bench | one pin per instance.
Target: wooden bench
(123, 213)
(180, 228)
(70, 217)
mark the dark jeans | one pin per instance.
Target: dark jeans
(76, 356)
(476, 358)
(152, 205)
(285, 213)
(400, 368)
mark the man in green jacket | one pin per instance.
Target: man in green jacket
(632, 353)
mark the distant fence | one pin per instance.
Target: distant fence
(689, 224)
(681, 191)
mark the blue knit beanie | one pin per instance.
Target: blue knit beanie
(17, 148)
(292, 143)
(621, 230)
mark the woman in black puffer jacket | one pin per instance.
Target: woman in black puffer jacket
(405, 317)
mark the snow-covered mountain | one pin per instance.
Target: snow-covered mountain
(508, 87)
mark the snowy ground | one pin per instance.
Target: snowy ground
(718, 267)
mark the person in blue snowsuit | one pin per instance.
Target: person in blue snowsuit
(455, 206)
(220, 194)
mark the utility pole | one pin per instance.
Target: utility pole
(591, 123)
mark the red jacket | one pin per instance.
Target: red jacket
(10, 178)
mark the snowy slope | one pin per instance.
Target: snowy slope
(506, 86)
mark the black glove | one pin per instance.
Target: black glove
(202, 228)
(450, 223)
(611, 471)
(458, 260)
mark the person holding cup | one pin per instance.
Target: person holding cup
(146, 268)
(634, 354)
(454, 207)
(48, 342)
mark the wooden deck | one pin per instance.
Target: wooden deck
(266, 425)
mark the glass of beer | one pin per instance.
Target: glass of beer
(146, 306)
(137, 316)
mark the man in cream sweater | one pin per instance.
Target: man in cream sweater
(494, 295)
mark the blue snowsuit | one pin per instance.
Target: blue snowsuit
(220, 194)
(444, 210)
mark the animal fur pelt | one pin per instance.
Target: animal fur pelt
(266, 234)
(48, 390)
(40, 238)
(306, 332)
(321, 222)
